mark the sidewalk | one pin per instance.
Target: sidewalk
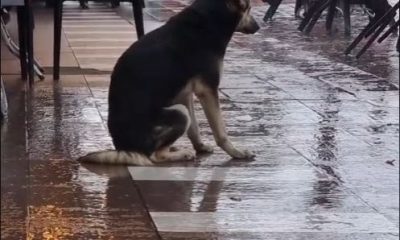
(325, 129)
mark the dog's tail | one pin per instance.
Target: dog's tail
(116, 158)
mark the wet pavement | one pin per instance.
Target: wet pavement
(325, 129)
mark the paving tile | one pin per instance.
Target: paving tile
(45, 142)
(234, 80)
(283, 222)
(238, 174)
(5, 53)
(203, 195)
(46, 60)
(10, 66)
(101, 51)
(160, 14)
(275, 236)
(98, 81)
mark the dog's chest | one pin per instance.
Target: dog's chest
(194, 86)
(184, 93)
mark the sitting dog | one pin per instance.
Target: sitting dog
(153, 83)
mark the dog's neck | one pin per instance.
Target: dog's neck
(218, 29)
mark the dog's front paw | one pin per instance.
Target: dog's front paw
(187, 155)
(242, 154)
(204, 148)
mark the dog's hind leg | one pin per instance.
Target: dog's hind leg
(172, 124)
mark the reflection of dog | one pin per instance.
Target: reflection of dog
(153, 82)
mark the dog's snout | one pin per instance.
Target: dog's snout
(250, 26)
(254, 27)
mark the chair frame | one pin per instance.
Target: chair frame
(137, 6)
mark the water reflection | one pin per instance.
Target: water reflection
(14, 167)
(327, 193)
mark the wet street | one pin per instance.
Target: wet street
(324, 128)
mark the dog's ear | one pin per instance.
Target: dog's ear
(237, 5)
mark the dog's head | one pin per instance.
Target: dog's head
(241, 8)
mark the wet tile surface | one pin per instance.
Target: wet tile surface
(325, 129)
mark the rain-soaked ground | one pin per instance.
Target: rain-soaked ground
(325, 129)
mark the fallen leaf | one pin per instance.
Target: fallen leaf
(237, 199)
(390, 162)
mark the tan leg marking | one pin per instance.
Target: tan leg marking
(193, 131)
(210, 103)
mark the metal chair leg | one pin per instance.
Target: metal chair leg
(29, 26)
(22, 35)
(137, 6)
(373, 37)
(271, 10)
(392, 29)
(331, 15)
(360, 36)
(346, 16)
(316, 16)
(310, 13)
(388, 15)
(370, 28)
(57, 38)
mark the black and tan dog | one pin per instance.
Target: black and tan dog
(153, 83)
